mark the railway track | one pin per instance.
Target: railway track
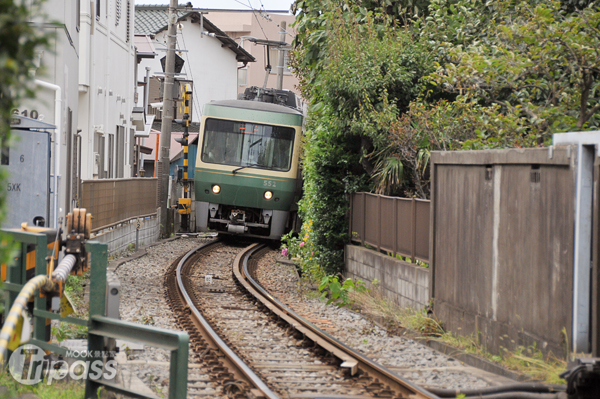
(254, 346)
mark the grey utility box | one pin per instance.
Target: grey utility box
(26, 161)
(113, 296)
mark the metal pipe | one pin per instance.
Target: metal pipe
(42, 283)
(28, 290)
(146, 90)
(64, 268)
(521, 387)
(57, 141)
(281, 62)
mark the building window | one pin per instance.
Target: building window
(274, 58)
(117, 12)
(128, 20)
(78, 11)
(243, 76)
(98, 10)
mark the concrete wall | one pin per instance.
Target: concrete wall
(119, 238)
(402, 282)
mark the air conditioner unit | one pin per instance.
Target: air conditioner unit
(96, 163)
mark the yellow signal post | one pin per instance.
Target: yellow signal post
(184, 205)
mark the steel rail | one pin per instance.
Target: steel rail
(234, 359)
(351, 359)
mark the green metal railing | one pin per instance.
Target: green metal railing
(99, 326)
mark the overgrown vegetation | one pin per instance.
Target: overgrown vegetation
(57, 390)
(390, 81)
(340, 293)
(526, 360)
(20, 42)
(74, 289)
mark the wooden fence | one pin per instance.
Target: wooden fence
(392, 224)
(114, 201)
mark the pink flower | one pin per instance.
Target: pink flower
(301, 244)
(284, 252)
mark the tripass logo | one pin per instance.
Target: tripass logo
(28, 366)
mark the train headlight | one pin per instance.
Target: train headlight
(216, 189)
(268, 195)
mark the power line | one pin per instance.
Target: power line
(286, 32)
(244, 4)
(257, 20)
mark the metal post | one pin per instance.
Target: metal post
(395, 226)
(281, 57)
(413, 248)
(167, 116)
(137, 235)
(379, 223)
(186, 117)
(364, 218)
(99, 256)
(350, 218)
(40, 303)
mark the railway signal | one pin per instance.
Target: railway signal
(184, 204)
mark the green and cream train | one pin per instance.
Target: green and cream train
(246, 177)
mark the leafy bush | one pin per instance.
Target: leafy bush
(340, 293)
(385, 90)
(354, 97)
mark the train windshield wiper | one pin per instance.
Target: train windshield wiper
(243, 167)
(255, 143)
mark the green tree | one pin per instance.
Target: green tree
(20, 40)
(388, 87)
(540, 63)
(359, 72)
(510, 75)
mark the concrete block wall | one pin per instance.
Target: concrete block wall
(402, 282)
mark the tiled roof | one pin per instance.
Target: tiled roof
(152, 19)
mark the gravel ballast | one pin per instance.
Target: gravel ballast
(143, 301)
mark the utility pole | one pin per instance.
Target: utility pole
(167, 119)
(281, 57)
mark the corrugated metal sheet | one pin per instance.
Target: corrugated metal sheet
(392, 224)
(112, 201)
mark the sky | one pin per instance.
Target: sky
(230, 4)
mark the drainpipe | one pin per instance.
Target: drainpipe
(146, 90)
(57, 142)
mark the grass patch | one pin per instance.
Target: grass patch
(526, 360)
(74, 288)
(57, 390)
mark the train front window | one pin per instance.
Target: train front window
(247, 144)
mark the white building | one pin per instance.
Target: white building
(107, 86)
(210, 56)
(57, 100)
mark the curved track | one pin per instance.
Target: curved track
(255, 345)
